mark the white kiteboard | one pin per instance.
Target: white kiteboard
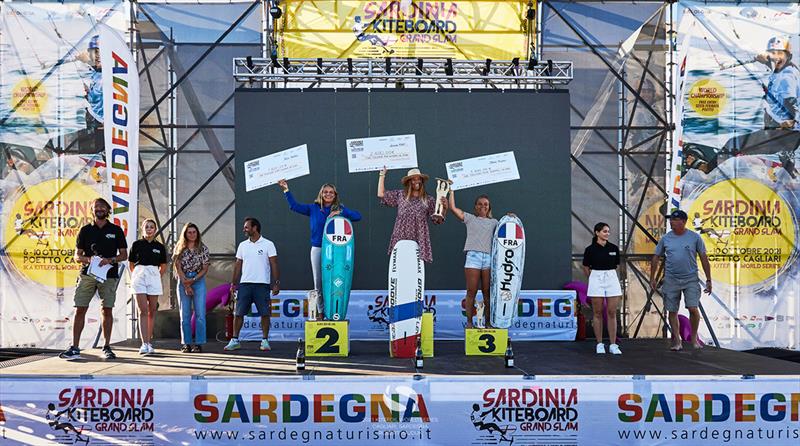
(508, 262)
(406, 291)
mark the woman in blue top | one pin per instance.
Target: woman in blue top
(325, 206)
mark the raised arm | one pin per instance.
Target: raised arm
(382, 182)
(304, 209)
(456, 211)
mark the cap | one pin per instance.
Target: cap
(677, 214)
(94, 42)
(779, 43)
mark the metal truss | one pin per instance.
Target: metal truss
(402, 72)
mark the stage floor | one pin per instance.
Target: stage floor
(641, 357)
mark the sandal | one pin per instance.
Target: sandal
(196, 349)
(185, 348)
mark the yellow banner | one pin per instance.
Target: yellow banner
(462, 30)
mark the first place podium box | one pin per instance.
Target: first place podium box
(485, 341)
(327, 338)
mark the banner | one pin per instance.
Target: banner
(735, 169)
(465, 30)
(460, 411)
(53, 165)
(541, 316)
(121, 110)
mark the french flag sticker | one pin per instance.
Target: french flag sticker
(339, 231)
(511, 235)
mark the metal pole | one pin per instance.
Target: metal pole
(172, 171)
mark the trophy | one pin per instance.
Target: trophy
(313, 301)
(442, 189)
(480, 317)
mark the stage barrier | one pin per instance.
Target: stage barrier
(541, 316)
(460, 411)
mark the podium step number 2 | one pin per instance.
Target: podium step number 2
(485, 341)
(327, 338)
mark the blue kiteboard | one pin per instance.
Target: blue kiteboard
(338, 252)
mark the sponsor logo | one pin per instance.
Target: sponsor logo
(529, 415)
(393, 407)
(113, 412)
(708, 407)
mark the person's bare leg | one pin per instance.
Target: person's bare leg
(108, 323)
(472, 277)
(487, 305)
(141, 302)
(611, 318)
(694, 318)
(152, 307)
(265, 326)
(78, 324)
(237, 325)
(597, 318)
(676, 328)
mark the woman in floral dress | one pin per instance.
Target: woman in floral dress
(414, 208)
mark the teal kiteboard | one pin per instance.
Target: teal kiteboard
(338, 252)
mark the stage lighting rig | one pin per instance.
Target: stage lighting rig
(448, 67)
(419, 66)
(488, 67)
(530, 14)
(532, 62)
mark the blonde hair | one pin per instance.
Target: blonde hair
(336, 204)
(182, 244)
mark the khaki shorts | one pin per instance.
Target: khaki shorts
(87, 285)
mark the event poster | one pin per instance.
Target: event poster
(464, 30)
(58, 153)
(735, 172)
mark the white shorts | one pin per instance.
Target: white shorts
(146, 279)
(604, 284)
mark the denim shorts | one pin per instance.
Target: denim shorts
(252, 293)
(478, 260)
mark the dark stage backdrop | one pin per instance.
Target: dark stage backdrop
(449, 125)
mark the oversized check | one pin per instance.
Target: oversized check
(369, 154)
(481, 170)
(267, 170)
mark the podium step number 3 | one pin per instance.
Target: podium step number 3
(485, 341)
(327, 338)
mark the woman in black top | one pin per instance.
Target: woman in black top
(148, 261)
(600, 260)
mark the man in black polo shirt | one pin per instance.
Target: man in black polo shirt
(105, 240)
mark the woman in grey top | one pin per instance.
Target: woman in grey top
(478, 249)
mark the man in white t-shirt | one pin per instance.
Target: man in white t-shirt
(255, 271)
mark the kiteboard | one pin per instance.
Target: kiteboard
(508, 261)
(338, 252)
(406, 290)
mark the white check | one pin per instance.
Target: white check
(369, 154)
(267, 170)
(481, 170)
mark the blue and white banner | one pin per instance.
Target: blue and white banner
(475, 410)
(541, 316)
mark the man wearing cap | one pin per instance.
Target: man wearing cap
(681, 247)
(782, 109)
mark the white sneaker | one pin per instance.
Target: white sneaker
(264, 347)
(601, 349)
(150, 349)
(143, 350)
(234, 344)
(614, 349)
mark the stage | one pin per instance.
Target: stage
(640, 357)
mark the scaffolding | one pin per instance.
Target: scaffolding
(619, 52)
